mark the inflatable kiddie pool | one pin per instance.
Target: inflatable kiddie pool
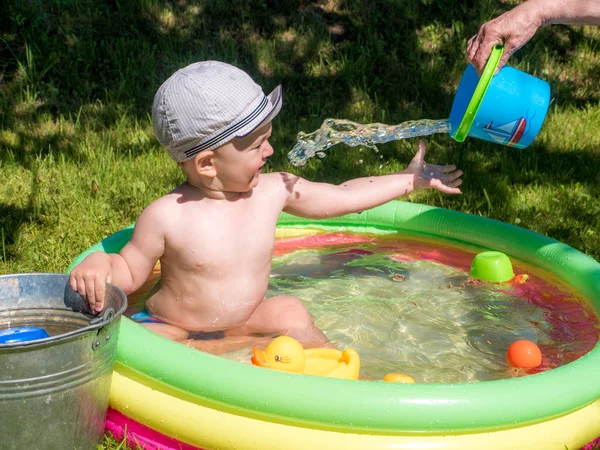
(166, 395)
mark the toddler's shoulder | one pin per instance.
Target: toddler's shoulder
(163, 209)
(280, 178)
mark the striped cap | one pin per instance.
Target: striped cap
(207, 104)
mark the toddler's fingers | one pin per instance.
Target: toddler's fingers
(100, 290)
(420, 155)
(455, 183)
(73, 283)
(80, 284)
(453, 190)
(448, 188)
(91, 293)
(453, 175)
(448, 168)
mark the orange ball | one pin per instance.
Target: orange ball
(524, 354)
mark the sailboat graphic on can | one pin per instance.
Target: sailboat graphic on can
(509, 133)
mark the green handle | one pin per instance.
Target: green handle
(478, 94)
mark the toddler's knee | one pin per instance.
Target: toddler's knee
(294, 315)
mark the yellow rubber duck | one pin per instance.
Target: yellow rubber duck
(288, 355)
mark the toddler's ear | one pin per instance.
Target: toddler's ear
(203, 164)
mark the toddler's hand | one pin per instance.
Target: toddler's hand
(90, 277)
(443, 178)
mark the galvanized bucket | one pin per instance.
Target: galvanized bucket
(54, 391)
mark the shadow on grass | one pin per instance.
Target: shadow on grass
(96, 66)
(11, 220)
(99, 61)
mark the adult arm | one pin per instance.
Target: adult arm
(516, 27)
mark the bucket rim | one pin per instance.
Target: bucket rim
(479, 93)
(101, 319)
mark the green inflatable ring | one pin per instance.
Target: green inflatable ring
(378, 407)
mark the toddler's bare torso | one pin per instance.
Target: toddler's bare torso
(217, 260)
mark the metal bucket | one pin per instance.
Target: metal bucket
(54, 391)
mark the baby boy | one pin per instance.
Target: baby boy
(214, 234)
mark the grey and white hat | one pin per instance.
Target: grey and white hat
(207, 104)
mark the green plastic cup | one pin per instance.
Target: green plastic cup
(492, 266)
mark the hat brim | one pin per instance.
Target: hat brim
(263, 110)
(275, 101)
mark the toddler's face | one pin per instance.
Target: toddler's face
(239, 162)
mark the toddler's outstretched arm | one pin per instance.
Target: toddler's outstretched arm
(321, 200)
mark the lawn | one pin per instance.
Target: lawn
(78, 159)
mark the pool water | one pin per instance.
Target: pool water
(410, 306)
(407, 304)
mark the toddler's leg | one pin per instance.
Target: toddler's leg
(284, 315)
(169, 331)
(214, 346)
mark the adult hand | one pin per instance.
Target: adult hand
(513, 29)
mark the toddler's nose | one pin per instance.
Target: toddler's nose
(267, 150)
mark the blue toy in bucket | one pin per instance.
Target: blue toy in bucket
(22, 334)
(507, 109)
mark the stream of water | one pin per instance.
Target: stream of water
(334, 131)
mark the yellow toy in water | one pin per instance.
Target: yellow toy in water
(288, 355)
(399, 378)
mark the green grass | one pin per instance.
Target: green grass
(78, 160)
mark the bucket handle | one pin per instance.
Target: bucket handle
(106, 316)
(480, 90)
(104, 319)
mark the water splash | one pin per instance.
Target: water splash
(334, 131)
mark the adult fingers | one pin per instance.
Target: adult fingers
(473, 46)
(483, 53)
(511, 45)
